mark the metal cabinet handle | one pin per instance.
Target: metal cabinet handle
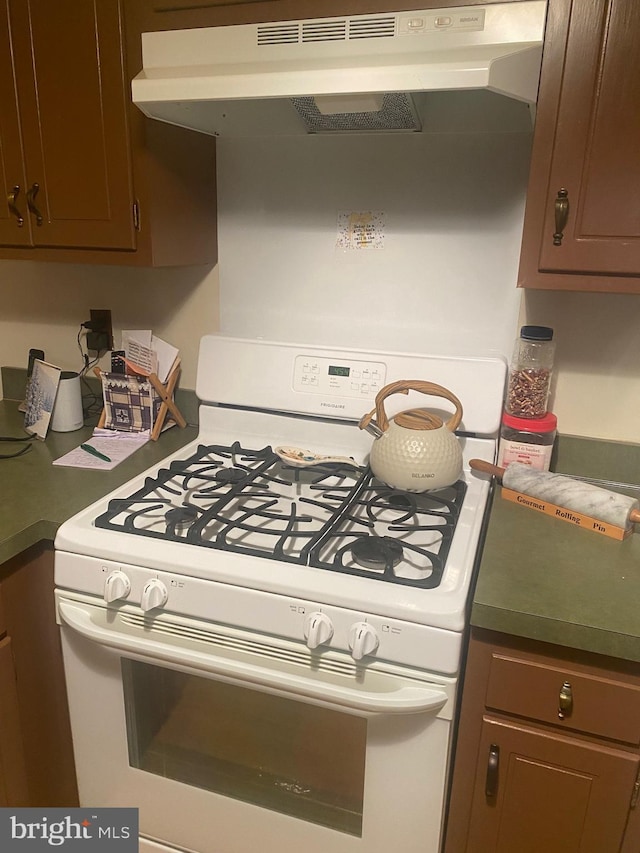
(32, 192)
(562, 215)
(565, 701)
(493, 767)
(13, 207)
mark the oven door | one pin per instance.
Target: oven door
(228, 741)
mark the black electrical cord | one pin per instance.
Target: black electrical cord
(25, 449)
(94, 406)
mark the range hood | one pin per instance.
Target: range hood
(360, 73)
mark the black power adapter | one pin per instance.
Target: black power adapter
(99, 331)
(98, 341)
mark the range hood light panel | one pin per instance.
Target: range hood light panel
(331, 105)
(391, 112)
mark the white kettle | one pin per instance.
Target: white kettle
(415, 450)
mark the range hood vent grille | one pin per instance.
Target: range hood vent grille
(279, 34)
(331, 30)
(324, 31)
(372, 28)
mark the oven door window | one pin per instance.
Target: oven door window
(278, 753)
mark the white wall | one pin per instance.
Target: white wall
(597, 377)
(441, 280)
(596, 391)
(43, 306)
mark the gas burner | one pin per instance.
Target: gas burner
(377, 552)
(180, 516)
(389, 506)
(230, 476)
(401, 501)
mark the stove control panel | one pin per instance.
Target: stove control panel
(314, 624)
(338, 377)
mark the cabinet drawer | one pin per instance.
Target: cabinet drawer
(597, 705)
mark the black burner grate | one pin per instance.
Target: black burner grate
(394, 536)
(235, 499)
(330, 516)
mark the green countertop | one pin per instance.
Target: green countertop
(539, 577)
(545, 579)
(37, 497)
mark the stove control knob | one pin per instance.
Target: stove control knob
(363, 640)
(154, 594)
(116, 586)
(318, 629)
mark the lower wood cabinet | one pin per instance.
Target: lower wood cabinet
(13, 774)
(36, 756)
(548, 752)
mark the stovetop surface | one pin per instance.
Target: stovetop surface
(309, 570)
(331, 516)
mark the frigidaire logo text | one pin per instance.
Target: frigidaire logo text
(333, 405)
(69, 830)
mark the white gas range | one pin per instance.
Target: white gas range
(268, 643)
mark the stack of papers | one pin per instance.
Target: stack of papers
(104, 450)
(144, 353)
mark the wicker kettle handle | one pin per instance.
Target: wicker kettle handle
(403, 387)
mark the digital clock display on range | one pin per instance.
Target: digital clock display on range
(336, 370)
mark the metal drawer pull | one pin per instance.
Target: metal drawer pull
(13, 207)
(562, 215)
(31, 198)
(565, 701)
(493, 767)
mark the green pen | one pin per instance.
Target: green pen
(95, 452)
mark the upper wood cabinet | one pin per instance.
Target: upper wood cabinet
(183, 14)
(14, 227)
(74, 182)
(582, 220)
(81, 170)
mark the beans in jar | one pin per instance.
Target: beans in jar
(528, 392)
(530, 372)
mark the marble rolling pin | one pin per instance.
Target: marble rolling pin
(562, 491)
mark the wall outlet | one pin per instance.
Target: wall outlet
(100, 337)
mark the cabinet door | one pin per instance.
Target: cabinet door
(73, 108)
(582, 207)
(536, 791)
(13, 779)
(39, 684)
(14, 222)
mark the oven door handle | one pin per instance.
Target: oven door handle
(388, 694)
